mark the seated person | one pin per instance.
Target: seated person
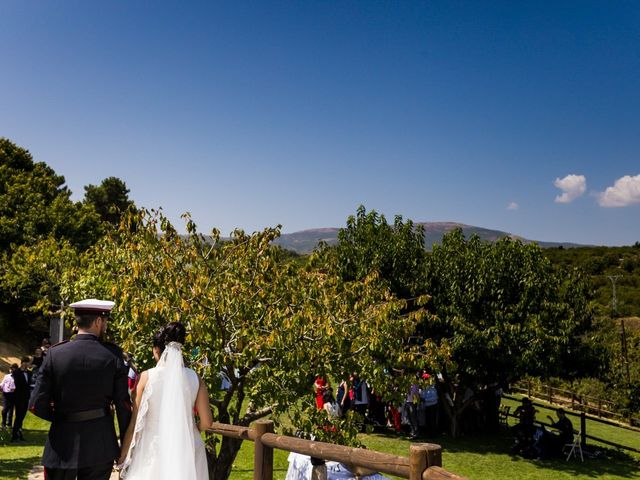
(330, 405)
(553, 443)
(525, 428)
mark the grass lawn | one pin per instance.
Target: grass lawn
(475, 457)
(478, 457)
(597, 429)
(17, 459)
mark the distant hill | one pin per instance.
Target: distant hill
(305, 241)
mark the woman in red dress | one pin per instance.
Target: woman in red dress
(319, 387)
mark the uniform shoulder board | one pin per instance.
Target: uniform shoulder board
(59, 343)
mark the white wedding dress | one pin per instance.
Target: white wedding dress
(166, 443)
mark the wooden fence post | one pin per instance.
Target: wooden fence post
(423, 456)
(434, 455)
(417, 460)
(583, 428)
(262, 454)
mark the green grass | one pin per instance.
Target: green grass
(17, 459)
(477, 457)
(597, 429)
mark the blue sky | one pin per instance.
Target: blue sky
(510, 115)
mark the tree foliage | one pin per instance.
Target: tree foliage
(35, 203)
(268, 325)
(40, 227)
(503, 311)
(33, 274)
(601, 263)
(110, 199)
(395, 252)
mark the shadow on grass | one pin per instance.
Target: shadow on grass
(500, 443)
(18, 468)
(17, 459)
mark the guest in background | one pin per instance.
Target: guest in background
(22, 379)
(429, 406)
(360, 398)
(36, 363)
(342, 396)
(132, 376)
(524, 430)
(37, 358)
(45, 345)
(319, 387)
(8, 387)
(411, 406)
(330, 405)
(553, 443)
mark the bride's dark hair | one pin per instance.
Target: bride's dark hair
(171, 332)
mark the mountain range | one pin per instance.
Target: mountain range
(304, 241)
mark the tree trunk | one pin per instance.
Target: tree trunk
(220, 465)
(454, 406)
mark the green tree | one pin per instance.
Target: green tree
(31, 278)
(35, 203)
(110, 199)
(396, 252)
(503, 311)
(36, 212)
(267, 324)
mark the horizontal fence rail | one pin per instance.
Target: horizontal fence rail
(375, 461)
(586, 403)
(583, 426)
(424, 461)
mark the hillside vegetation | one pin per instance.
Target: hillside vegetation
(605, 265)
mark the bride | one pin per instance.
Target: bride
(163, 441)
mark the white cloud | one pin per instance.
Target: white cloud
(512, 206)
(572, 187)
(625, 192)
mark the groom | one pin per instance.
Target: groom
(78, 383)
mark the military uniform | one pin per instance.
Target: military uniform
(78, 383)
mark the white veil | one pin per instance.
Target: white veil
(175, 454)
(176, 445)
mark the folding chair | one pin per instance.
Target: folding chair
(503, 415)
(574, 447)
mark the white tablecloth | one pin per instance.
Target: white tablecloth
(300, 469)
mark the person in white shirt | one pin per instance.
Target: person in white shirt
(8, 387)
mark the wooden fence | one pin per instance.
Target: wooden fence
(424, 461)
(600, 407)
(583, 427)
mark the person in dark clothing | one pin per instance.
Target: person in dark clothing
(552, 442)
(524, 430)
(22, 379)
(80, 380)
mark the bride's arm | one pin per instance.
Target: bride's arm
(132, 424)
(203, 408)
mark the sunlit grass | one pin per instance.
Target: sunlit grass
(17, 459)
(479, 457)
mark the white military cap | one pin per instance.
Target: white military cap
(93, 305)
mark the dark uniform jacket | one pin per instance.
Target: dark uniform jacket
(81, 375)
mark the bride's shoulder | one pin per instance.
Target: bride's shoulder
(147, 373)
(190, 372)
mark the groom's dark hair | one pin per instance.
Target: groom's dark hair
(86, 319)
(171, 332)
